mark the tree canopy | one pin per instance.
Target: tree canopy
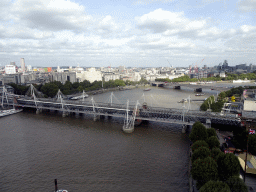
(200, 153)
(236, 184)
(215, 186)
(213, 142)
(198, 132)
(204, 170)
(199, 143)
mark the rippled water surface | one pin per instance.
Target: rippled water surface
(94, 156)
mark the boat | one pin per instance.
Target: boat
(200, 94)
(147, 89)
(9, 112)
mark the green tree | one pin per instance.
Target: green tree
(240, 138)
(221, 96)
(211, 132)
(228, 166)
(200, 153)
(215, 152)
(50, 89)
(204, 106)
(252, 144)
(215, 186)
(204, 170)
(198, 132)
(213, 142)
(199, 143)
(236, 184)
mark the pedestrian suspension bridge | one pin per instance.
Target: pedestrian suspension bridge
(130, 111)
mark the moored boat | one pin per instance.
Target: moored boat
(9, 112)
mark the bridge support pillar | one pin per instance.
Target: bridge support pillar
(38, 111)
(95, 117)
(208, 123)
(64, 113)
(184, 127)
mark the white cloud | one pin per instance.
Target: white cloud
(145, 2)
(53, 15)
(247, 5)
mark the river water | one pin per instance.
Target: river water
(95, 156)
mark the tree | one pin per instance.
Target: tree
(200, 153)
(204, 170)
(236, 184)
(215, 152)
(252, 144)
(240, 138)
(199, 143)
(215, 186)
(221, 96)
(50, 89)
(228, 166)
(198, 132)
(211, 132)
(213, 142)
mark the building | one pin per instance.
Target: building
(22, 61)
(64, 76)
(10, 69)
(12, 78)
(90, 75)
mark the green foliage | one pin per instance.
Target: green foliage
(200, 153)
(211, 132)
(252, 144)
(204, 170)
(215, 186)
(215, 152)
(50, 89)
(228, 166)
(240, 138)
(143, 81)
(163, 80)
(221, 96)
(199, 143)
(236, 184)
(213, 142)
(198, 132)
(210, 103)
(19, 89)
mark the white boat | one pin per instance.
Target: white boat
(9, 112)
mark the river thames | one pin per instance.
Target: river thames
(95, 156)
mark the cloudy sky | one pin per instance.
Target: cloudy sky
(135, 33)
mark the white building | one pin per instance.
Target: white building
(90, 75)
(10, 69)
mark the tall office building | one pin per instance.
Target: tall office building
(22, 61)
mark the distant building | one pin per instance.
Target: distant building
(63, 77)
(90, 75)
(22, 61)
(10, 69)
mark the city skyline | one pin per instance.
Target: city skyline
(137, 33)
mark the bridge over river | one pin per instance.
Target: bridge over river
(131, 112)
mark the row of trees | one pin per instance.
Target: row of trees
(229, 77)
(222, 98)
(211, 168)
(51, 89)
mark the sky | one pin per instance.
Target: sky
(131, 33)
